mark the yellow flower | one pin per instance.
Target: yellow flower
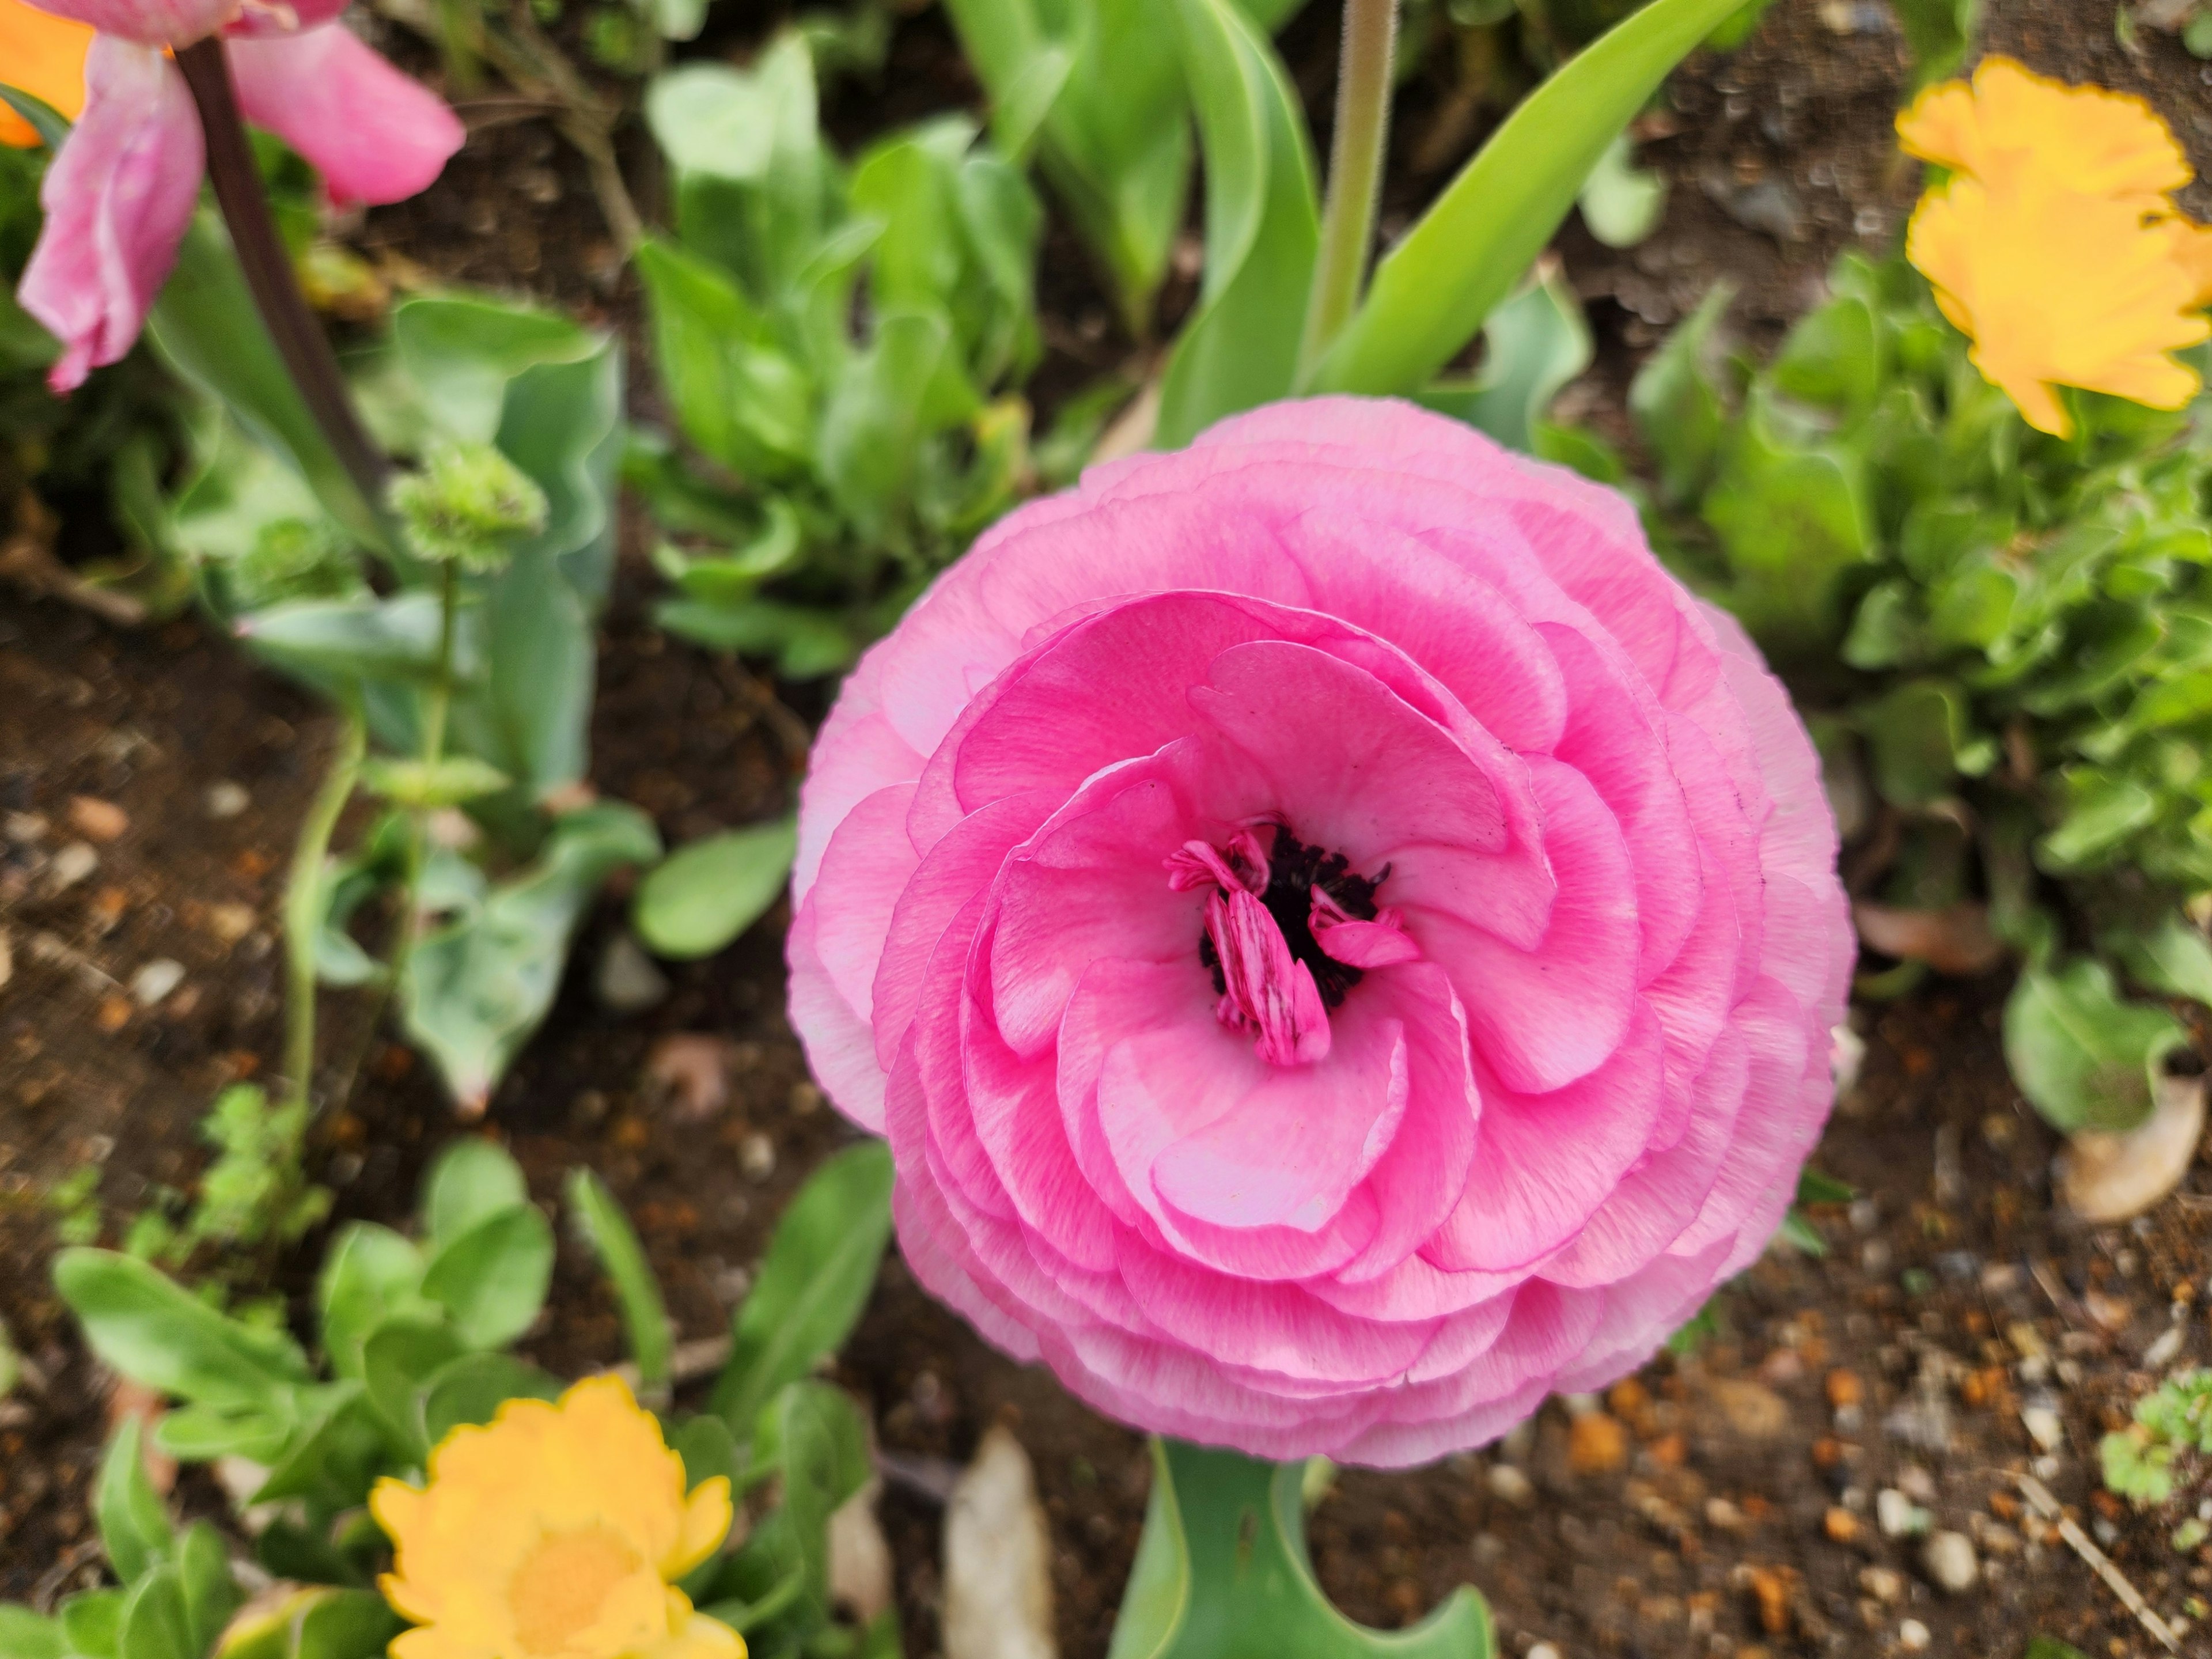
(43, 55)
(2055, 246)
(2072, 139)
(2056, 290)
(554, 1532)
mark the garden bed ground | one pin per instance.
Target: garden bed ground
(1726, 1502)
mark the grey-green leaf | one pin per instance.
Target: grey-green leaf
(704, 894)
(2086, 1058)
(492, 1280)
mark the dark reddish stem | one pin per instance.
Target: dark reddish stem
(268, 266)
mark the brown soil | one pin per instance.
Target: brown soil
(1733, 1512)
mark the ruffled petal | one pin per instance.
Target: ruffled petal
(373, 134)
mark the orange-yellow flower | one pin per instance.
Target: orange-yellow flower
(555, 1532)
(43, 55)
(2055, 246)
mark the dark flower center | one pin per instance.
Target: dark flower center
(1294, 870)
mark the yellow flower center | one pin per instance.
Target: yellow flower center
(558, 1592)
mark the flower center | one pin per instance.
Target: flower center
(1289, 929)
(561, 1590)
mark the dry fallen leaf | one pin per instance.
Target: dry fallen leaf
(860, 1558)
(2107, 1178)
(1956, 939)
(998, 1555)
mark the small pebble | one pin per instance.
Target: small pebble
(96, 819)
(226, 800)
(1509, 1486)
(1913, 1636)
(757, 1156)
(1897, 1515)
(157, 980)
(1597, 1443)
(72, 865)
(26, 828)
(2044, 1427)
(1951, 1562)
(1883, 1583)
(1840, 1524)
(1916, 1483)
(1724, 1516)
(1543, 1650)
(806, 1099)
(1844, 1389)
(628, 983)
(2163, 1353)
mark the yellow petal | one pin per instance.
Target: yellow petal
(706, 1517)
(43, 55)
(2075, 138)
(695, 1636)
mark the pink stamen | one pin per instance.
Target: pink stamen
(1268, 991)
(1382, 943)
(1200, 864)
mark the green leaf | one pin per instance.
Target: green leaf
(707, 1449)
(92, 1622)
(155, 1624)
(2174, 958)
(1622, 203)
(472, 1389)
(818, 1442)
(1534, 344)
(907, 386)
(397, 1364)
(1813, 1187)
(211, 1594)
(492, 1280)
(805, 644)
(2084, 1058)
(207, 327)
(1936, 33)
(704, 896)
(1793, 521)
(428, 785)
(812, 1284)
(139, 1322)
(365, 638)
(472, 1180)
(1678, 406)
(134, 1526)
(479, 987)
(370, 1275)
(334, 1456)
(1223, 1572)
(465, 353)
(1240, 347)
(1920, 742)
(347, 1624)
(614, 1241)
(1434, 290)
(25, 1635)
(202, 1434)
(2103, 810)
(738, 396)
(1833, 357)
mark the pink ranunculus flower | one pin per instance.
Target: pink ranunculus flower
(121, 191)
(1342, 944)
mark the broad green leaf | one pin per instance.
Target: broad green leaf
(472, 1389)
(1240, 347)
(397, 1364)
(25, 1635)
(365, 638)
(429, 785)
(1434, 290)
(463, 354)
(492, 1280)
(704, 896)
(740, 397)
(1813, 1187)
(478, 987)
(1936, 33)
(1677, 405)
(1621, 202)
(1920, 742)
(201, 1434)
(1793, 521)
(211, 1594)
(1223, 1573)
(2103, 809)
(805, 644)
(1833, 356)
(817, 1440)
(141, 1324)
(347, 1624)
(207, 326)
(815, 1280)
(155, 1624)
(92, 1622)
(134, 1525)
(1534, 344)
(334, 1456)
(707, 1449)
(637, 1294)
(713, 120)
(2172, 958)
(908, 386)
(472, 1180)
(2084, 1058)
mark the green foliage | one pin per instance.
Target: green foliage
(414, 1338)
(462, 633)
(827, 467)
(2010, 635)
(707, 893)
(2173, 1426)
(1223, 1573)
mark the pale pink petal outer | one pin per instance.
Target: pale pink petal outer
(373, 134)
(149, 22)
(117, 198)
(1065, 1105)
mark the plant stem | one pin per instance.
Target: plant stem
(268, 266)
(303, 910)
(1355, 172)
(437, 710)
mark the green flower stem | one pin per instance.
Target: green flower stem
(437, 710)
(268, 267)
(303, 907)
(1355, 171)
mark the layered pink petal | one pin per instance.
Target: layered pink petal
(149, 22)
(373, 133)
(117, 198)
